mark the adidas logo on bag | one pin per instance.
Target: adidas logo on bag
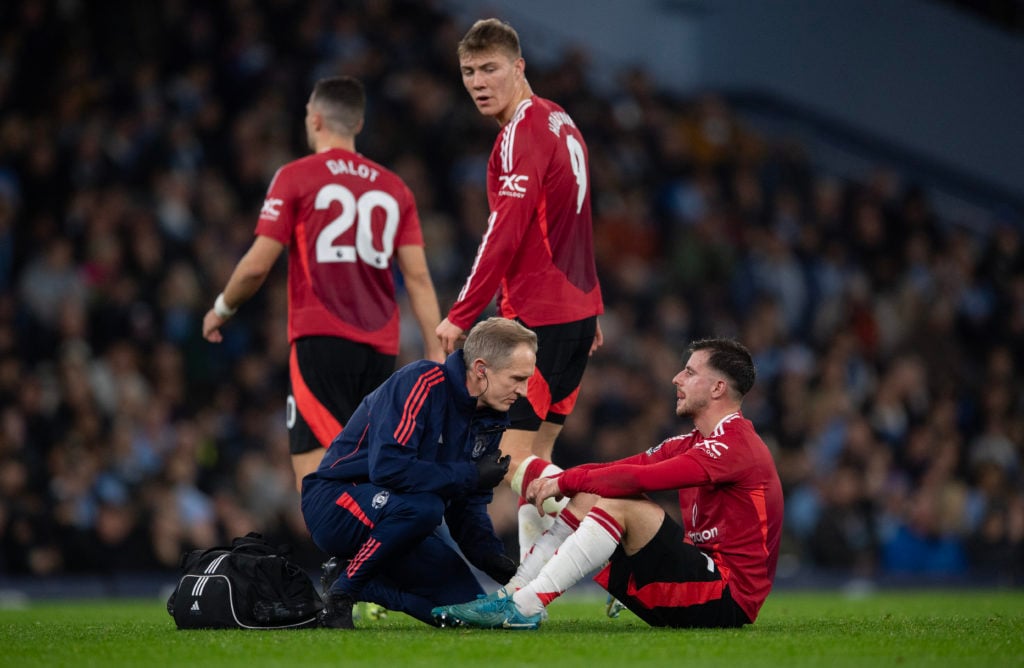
(251, 585)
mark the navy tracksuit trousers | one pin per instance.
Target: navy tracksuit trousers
(397, 556)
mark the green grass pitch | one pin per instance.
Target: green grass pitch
(896, 628)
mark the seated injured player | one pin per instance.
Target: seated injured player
(714, 571)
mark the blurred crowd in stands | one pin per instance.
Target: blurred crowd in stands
(137, 141)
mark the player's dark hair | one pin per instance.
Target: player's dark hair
(342, 101)
(730, 358)
(494, 339)
(489, 34)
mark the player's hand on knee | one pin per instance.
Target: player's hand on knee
(542, 489)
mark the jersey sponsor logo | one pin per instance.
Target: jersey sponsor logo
(271, 208)
(512, 185)
(703, 536)
(351, 168)
(713, 449)
(380, 499)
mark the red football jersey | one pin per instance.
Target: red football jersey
(342, 217)
(730, 498)
(538, 250)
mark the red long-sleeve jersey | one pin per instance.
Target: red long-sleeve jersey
(538, 250)
(730, 498)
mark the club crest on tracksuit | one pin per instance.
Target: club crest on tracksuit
(380, 499)
(479, 445)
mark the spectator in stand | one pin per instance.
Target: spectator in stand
(84, 147)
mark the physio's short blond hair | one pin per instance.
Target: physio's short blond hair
(493, 341)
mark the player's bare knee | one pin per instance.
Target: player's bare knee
(581, 504)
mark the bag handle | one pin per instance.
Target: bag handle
(254, 543)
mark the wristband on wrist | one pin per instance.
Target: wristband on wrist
(221, 308)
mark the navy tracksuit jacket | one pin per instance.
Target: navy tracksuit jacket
(402, 463)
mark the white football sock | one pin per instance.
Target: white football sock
(588, 548)
(532, 526)
(540, 552)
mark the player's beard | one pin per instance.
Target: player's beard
(690, 407)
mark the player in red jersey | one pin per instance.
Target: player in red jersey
(716, 573)
(537, 252)
(344, 220)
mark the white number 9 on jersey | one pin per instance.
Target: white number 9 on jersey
(579, 169)
(360, 212)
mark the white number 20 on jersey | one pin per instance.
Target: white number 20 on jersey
(360, 212)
